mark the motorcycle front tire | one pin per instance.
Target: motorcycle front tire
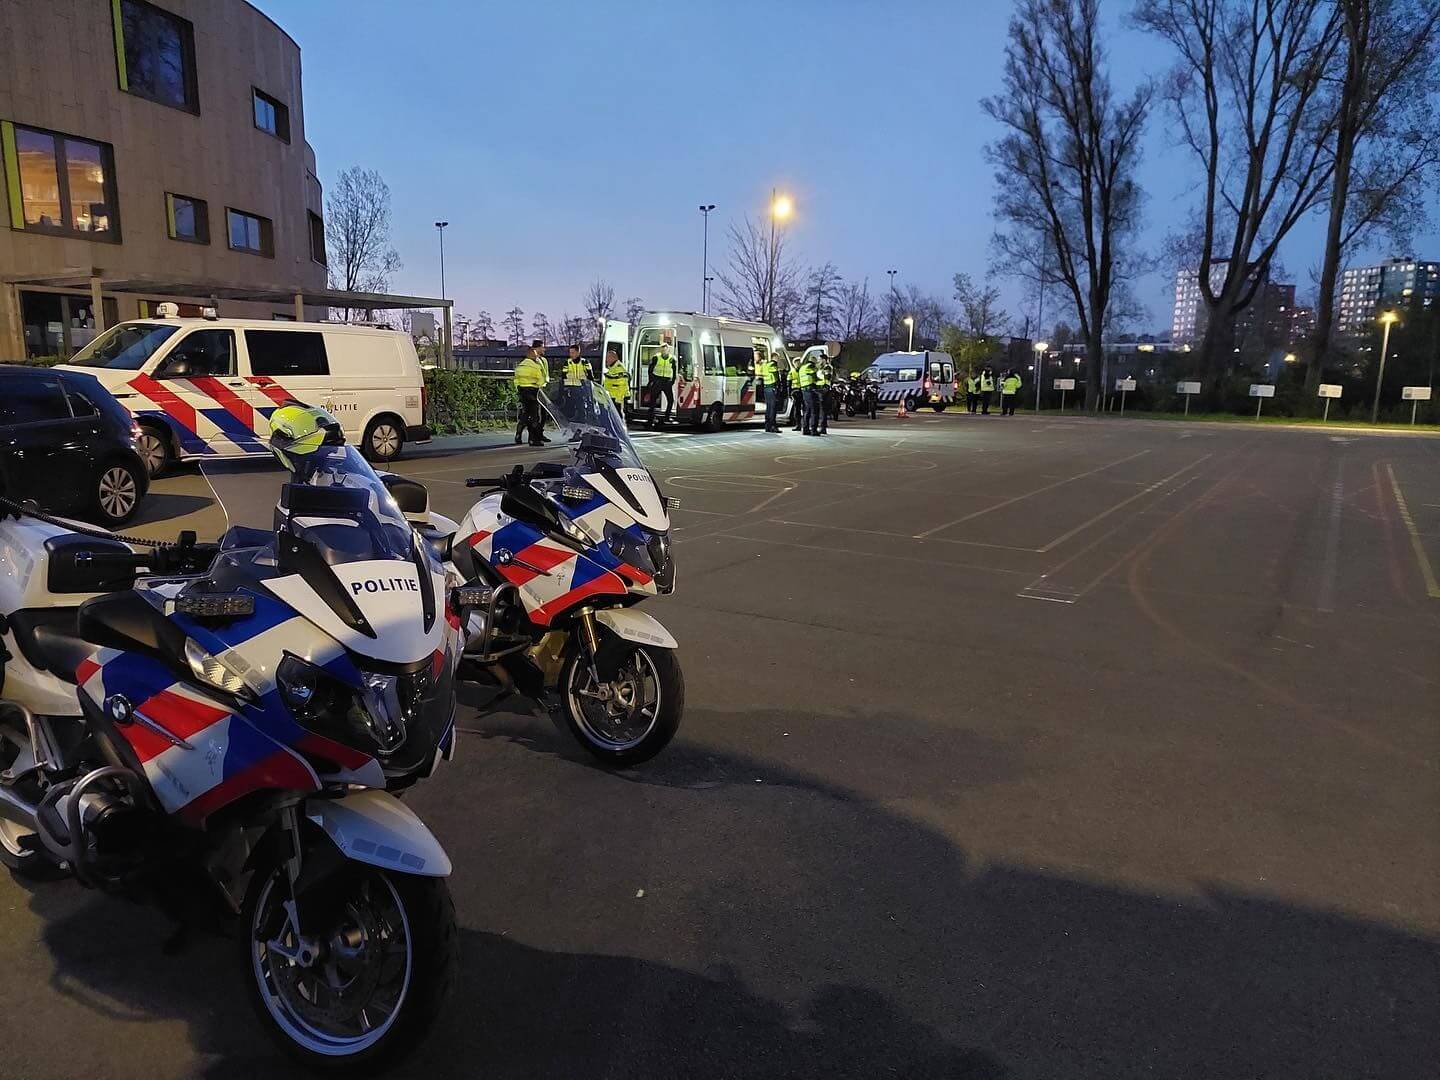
(432, 948)
(671, 684)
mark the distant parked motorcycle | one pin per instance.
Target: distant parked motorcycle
(555, 558)
(859, 397)
(241, 714)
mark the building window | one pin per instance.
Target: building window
(155, 53)
(188, 218)
(250, 232)
(271, 115)
(317, 237)
(59, 184)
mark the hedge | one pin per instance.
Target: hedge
(466, 401)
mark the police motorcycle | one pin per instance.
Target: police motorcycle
(244, 715)
(555, 559)
(859, 396)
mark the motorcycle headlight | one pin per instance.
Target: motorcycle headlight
(372, 719)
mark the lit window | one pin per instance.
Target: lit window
(66, 185)
(155, 53)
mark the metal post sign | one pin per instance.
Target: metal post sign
(1124, 386)
(1260, 391)
(1063, 385)
(1329, 391)
(1414, 395)
(1187, 390)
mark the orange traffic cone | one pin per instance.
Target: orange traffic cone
(902, 414)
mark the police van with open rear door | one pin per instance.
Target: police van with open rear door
(715, 358)
(916, 378)
(201, 388)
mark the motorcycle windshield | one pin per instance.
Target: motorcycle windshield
(587, 418)
(332, 500)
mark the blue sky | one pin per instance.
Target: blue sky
(571, 141)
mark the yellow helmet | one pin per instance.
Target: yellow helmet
(297, 431)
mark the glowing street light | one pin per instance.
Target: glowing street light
(781, 207)
(910, 322)
(1041, 348)
(1387, 320)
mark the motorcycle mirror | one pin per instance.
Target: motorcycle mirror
(832, 349)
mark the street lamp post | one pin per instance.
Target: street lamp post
(781, 207)
(447, 348)
(890, 322)
(1387, 320)
(705, 209)
(910, 322)
(442, 225)
(1039, 347)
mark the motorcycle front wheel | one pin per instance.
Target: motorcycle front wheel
(366, 975)
(632, 717)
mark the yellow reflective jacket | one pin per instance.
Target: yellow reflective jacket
(576, 372)
(531, 372)
(664, 366)
(617, 382)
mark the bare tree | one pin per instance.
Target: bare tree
(761, 282)
(514, 323)
(980, 307)
(483, 327)
(855, 311)
(1248, 96)
(822, 297)
(599, 301)
(931, 314)
(1387, 137)
(1065, 166)
(357, 233)
(634, 308)
(540, 327)
(572, 329)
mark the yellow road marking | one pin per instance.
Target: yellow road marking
(1432, 587)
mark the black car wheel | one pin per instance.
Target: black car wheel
(117, 493)
(153, 446)
(384, 438)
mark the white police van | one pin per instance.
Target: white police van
(715, 357)
(206, 387)
(916, 378)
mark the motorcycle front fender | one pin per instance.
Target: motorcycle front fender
(374, 827)
(636, 626)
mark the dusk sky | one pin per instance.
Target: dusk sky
(567, 142)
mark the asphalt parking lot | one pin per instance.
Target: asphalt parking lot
(1014, 748)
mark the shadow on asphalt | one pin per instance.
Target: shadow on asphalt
(906, 959)
(159, 506)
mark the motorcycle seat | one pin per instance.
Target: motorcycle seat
(49, 640)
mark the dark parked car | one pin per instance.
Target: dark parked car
(68, 445)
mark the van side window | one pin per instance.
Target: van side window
(713, 363)
(685, 353)
(739, 359)
(287, 352)
(203, 353)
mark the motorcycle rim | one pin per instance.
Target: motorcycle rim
(349, 999)
(624, 718)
